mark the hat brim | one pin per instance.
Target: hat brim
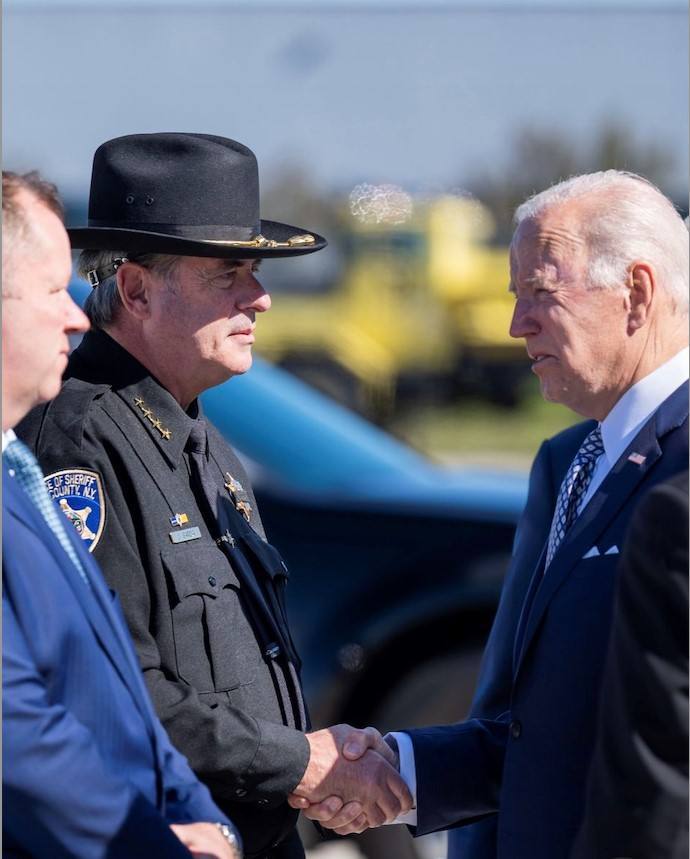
(141, 241)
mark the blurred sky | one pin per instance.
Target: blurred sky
(422, 95)
(390, 4)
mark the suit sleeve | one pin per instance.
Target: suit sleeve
(637, 797)
(226, 747)
(59, 797)
(458, 769)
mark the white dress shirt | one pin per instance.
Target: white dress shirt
(635, 407)
(7, 437)
(618, 429)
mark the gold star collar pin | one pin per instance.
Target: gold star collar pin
(234, 487)
(152, 419)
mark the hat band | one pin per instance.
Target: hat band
(262, 242)
(204, 232)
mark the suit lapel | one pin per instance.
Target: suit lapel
(620, 483)
(532, 590)
(95, 601)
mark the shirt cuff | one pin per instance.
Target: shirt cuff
(408, 773)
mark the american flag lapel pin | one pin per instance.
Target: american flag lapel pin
(637, 458)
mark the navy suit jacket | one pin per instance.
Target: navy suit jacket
(517, 768)
(88, 771)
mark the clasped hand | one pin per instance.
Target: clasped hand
(352, 781)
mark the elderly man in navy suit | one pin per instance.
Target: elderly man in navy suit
(88, 770)
(599, 270)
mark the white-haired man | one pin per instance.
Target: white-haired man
(599, 270)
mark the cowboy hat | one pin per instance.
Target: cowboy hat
(183, 194)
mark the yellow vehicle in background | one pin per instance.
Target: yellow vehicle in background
(420, 307)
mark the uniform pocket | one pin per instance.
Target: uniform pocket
(215, 645)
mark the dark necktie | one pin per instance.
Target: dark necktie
(573, 490)
(226, 525)
(202, 470)
(202, 473)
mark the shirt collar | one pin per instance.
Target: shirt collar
(100, 359)
(7, 437)
(638, 404)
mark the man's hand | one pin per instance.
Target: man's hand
(351, 782)
(204, 840)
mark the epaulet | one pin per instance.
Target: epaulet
(63, 417)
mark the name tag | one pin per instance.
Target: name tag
(185, 535)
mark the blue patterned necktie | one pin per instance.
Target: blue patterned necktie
(573, 490)
(24, 468)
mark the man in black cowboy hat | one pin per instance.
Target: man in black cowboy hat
(172, 247)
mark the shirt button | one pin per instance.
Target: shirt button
(515, 729)
(212, 581)
(240, 791)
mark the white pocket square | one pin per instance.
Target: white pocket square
(595, 553)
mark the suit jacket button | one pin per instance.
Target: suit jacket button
(262, 802)
(515, 729)
(240, 792)
(212, 581)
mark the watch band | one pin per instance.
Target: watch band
(231, 838)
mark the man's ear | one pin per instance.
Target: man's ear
(133, 284)
(642, 286)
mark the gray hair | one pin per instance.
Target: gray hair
(103, 302)
(635, 222)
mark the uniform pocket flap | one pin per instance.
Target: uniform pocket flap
(201, 570)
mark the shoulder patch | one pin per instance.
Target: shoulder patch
(79, 493)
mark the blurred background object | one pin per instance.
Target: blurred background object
(418, 311)
(406, 132)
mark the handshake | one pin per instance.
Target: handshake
(351, 782)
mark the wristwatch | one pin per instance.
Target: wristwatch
(231, 838)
